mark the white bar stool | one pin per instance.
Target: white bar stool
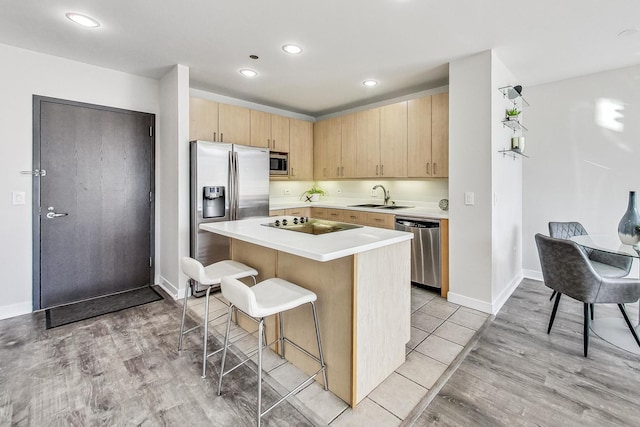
(269, 297)
(209, 276)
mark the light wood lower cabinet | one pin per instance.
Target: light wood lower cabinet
(277, 212)
(335, 215)
(298, 212)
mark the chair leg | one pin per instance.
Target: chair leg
(184, 314)
(552, 295)
(206, 334)
(592, 307)
(553, 313)
(324, 367)
(586, 329)
(260, 330)
(281, 338)
(224, 351)
(631, 328)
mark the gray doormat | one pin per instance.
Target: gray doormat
(70, 313)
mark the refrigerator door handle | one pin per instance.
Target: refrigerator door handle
(232, 186)
(236, 190)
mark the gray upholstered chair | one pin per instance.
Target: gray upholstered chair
(606, 264)
(567, 270)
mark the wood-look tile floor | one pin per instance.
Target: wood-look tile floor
(440, 331)
(517, 375)
(122, 369)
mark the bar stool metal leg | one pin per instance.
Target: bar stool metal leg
(224, 351)
(260, 331)
(184, 314)
(281, 338)
(322, 364)
(206, 333)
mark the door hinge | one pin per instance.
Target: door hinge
(150, 130)
(150, 262)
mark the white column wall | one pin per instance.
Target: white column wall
(584, 147)
(470, 155)
(172, 196)
(23, 74)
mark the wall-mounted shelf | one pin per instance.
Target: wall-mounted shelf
(514, 125)
(512, 153)
(513, 95)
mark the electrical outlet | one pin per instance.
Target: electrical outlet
(338, 190)
(287, 191)
(469, 198)
(18, 198)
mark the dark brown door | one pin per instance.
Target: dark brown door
(94, 231)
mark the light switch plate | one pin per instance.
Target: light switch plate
(18, 198)
(287, 191)
(339, 190)
(469, 198)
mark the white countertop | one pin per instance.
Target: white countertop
(323, 247)
(415, 212)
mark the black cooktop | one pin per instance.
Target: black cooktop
(310, 225)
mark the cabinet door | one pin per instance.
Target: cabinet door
(419, 137)
(335, 215)
(319, 213)
(276, 212)
(298, 212)
(234, 124)
(279, 133)
(203, 119)
(300, 149)
(381, 220)
(260, 129)
(440, 135)
(393, 140)
(368, 144)
(349, 145)
(327, 141)
(354, 217)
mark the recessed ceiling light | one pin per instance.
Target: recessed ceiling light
(292, 48)
(248, 73)
(84, 20)
(370, 83)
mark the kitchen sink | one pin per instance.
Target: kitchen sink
(368, 205)
(394, 207)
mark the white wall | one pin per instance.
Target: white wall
(23, 74)
(484, 238)
(581, 165)
(172, 195)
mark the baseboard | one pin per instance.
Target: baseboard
(13, 310)
(506, 293)
(170, 288)
(533, 274)
(476, 304)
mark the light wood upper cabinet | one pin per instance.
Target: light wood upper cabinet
(349, 146)
(327, 142)
(419, 137)
(280, 133)
(368, 143)
(270, 131)
(234, 124)
(440, 135)
(301, 149)
(393, 140)
(203, 119)
(260, 129)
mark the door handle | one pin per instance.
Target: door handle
(51, 214)
(35, 172)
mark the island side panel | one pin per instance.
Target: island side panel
(332, 281)
(383, 316)
(264, 260)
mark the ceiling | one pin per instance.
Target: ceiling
(404, 44)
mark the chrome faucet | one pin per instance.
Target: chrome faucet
(386, 193)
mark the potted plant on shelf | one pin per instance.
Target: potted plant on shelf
(313, 194)
(513, 113)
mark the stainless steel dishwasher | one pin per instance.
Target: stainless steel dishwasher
(425, 250)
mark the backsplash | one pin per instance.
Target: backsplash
(420, 193)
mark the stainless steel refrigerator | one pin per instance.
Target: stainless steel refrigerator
(228, 182)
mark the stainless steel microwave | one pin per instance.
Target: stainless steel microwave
(279, 164)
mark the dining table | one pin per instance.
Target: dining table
(614, 330)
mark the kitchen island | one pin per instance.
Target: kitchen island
(362, 279)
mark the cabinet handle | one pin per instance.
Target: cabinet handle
(427, 164)
(338, 171)
(324, 171)
(268, 143)
(377, 166)
(434, 168)
(273, 141)
(353, 216)
(221, 137)
(378, 219)
(381, 169)
(342, 171)
(214, 136)
(292, 174)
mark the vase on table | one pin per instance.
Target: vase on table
(628, 226)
